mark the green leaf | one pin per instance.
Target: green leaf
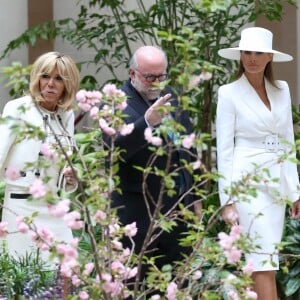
(292, 286)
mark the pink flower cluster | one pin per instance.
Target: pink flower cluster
(204, 76)
(188, 141)
(38, 189)
(3, 229)
(113, 98)
(48, 153)
(12, 173)
(60, 209)
(73, 220)
(154, 140)
(43, 238)
(88, 99)
(68, 254)
(227, 243)
(172, 290)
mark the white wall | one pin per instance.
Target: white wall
(13, 21)
(64, 9)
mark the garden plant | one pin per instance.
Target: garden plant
(95, 263)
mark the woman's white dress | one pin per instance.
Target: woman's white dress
(251, 139)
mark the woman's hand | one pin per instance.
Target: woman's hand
(295, 210)
(70, 175)
(230, 214)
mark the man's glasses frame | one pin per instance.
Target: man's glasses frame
(152, 77)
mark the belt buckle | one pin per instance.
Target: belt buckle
(271, 143)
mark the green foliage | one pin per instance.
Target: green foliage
(16, 274)
(288, 276)
(16, 77)
(191, 32)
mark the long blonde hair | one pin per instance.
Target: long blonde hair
(67, 69)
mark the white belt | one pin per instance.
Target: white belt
(270, 143)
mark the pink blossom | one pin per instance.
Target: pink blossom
(94, 112)
(225, 241)
(83, 295)
(68, 252)
(116, 244)
(84, 106)
(231, 278)
(37, 189)
(21, 225)
(94, 97)
(233, 295)
(12, 173)
(195, 80)
(251, 294)
(248, 268)
(100, 216)
(106, 277)
(131, 229)
(130, 273)
(117, 266)
(188, 141)
(154, 140)
(196, 164)
(76, 280)
(43, 238)
(3, 229)
(110, 90)
(122, 105)
(199, 78)
(106, 128)
(87, 99)
(126, 129)
(48, 153)
(113, 228)
(88, 268)
(205, 76)
(121, 93)
(68, 267)
(197, 275)
(233, 255)
(172, 291)
(236, 231)
(112, 288)
(81, 96)
(60, 209)
(148, 134)
(72, 220)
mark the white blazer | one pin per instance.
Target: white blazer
(17, 151)
(241, 115)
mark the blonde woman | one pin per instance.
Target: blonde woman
(54, 81)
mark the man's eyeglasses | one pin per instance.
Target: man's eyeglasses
(152, 77)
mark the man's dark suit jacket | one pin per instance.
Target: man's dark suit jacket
(137, 153)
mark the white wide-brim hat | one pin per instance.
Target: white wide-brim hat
(255, 39)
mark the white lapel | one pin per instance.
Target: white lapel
(275, 97)
(250, 98)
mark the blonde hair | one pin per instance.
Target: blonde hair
(67, 69)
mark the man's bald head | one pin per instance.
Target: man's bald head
(148, 55)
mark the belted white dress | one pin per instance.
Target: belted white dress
(251, 140)
(23, 153)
